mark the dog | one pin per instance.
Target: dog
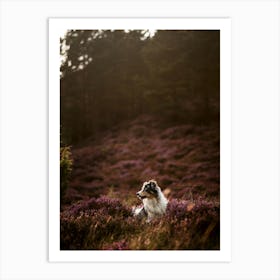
(154, 201)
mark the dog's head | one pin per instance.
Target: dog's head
(149, 189)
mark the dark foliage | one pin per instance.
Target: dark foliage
(112, 76)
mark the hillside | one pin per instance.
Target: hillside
(182, 158)
(110, 168)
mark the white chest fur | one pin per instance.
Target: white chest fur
(155, 207)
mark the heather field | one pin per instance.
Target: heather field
(109, 169)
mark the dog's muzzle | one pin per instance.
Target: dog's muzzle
(140, 196)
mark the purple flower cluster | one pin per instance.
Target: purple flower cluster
(119, 245)
(176, 209)
(106, 224)
(108, 205)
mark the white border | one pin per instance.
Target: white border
(24, 123)
(57, 27)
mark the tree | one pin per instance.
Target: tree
(108, 76)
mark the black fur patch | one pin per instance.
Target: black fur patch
(142, 213)
(151, 188)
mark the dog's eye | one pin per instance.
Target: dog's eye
(154, 190)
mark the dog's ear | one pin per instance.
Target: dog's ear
(154, 181)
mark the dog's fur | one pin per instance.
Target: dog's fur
(154, 201)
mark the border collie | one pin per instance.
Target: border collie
(154, 201)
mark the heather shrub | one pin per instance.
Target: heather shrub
(112, 206)
(93, 223)
(120, 245)
(187, 225)
(66, 163)
(106, 224)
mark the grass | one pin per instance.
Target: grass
(106, 224)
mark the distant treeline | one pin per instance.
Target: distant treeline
(109, 76)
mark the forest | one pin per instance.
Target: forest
(110, 76)
(139, 105)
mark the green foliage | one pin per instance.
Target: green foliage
(66, 163)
